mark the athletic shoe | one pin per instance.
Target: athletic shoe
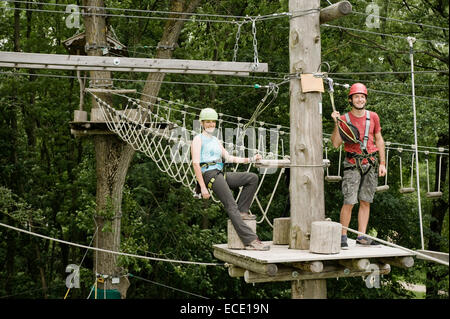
(247, 216)
(344, 245)
(367, 242)
(257, 245)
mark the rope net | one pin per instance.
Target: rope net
(163, 131)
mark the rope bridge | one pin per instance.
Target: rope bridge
(162, 130)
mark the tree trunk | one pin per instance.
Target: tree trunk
(167, 45)
(113, 158)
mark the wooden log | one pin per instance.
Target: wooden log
(245, 263)
(357, 264)
(281, 227)
(97, 115)
(402, 262)
(234, 242)
(314, 266)
(287, 274)
(325, 237)
(335, 11)
(80, 116)
(235, 271)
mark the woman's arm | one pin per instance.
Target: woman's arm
(235, 159)
(196, 147)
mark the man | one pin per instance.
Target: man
(360, 177)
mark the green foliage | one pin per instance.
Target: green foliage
(48, 178)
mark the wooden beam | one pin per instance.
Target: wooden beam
(290, 274)
(314, 266)
(235, 271)
(106, 63)
(402, 262)
(266, 269)
(357, 264)
(335, 11)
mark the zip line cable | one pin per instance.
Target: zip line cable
(269, 16)
(109, 251)
(165, 286)
(378, 33)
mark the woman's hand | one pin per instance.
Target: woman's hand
(205, 193)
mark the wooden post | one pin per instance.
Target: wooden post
(325, 237)
(281, 228)
(306, 183)
(234, 242)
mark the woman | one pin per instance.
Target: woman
(207, 154)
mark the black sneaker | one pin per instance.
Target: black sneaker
(344, 245)
(367, 242)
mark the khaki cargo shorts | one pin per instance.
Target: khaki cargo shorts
(352, 188)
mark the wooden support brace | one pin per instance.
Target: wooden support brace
(235, 271)
(124, 64)
(402, 262)
(289, 274)
(265, 269)
(314, 266)
(355, 264)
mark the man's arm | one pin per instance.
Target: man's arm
(379, 142)
(336, 138)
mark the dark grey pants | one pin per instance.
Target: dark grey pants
(222, 190)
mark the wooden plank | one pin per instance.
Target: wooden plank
(246, 263)
(435, 254)
(81, 62)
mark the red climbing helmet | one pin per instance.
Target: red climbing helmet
(358, 88)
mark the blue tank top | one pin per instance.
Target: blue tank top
(211, 152)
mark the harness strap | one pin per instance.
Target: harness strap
(366, 131)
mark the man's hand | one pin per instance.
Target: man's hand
(335, 115)
(382, 170)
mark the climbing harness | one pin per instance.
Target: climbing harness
(350, 134)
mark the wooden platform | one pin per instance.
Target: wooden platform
(282, 253)
(283, 264)
(86, 128)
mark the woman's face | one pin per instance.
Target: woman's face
(209, 126)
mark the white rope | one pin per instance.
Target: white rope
(419, 205)
(137, 126)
